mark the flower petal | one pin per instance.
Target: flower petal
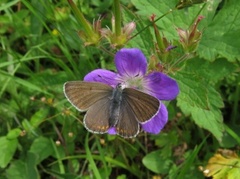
(103, 76)
(156, 124)
(161, 86)
(130, 62)
(112, 131)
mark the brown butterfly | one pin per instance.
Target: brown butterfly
(107, 107)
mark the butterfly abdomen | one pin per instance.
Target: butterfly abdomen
(115, 105)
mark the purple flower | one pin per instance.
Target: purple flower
(131, 65)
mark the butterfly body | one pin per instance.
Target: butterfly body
(107, 107)
(116, 101)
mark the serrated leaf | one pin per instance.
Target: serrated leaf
(208, 119)
(211, 71)
(200, 100)
(196, 92)
(7, 150)
(224, 164)
(42, 148)
(148, 7)
(177, 18)
(154, 162)
(220, 37)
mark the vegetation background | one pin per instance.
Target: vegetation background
(42, 136)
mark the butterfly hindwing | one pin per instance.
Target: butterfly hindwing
(143, 106)
(96, 119)
(127, 125)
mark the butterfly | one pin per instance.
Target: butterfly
(106, 107)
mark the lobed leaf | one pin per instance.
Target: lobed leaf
(221, 34)
(224, 164)
(200, 100)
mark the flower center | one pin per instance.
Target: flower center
(135, 82)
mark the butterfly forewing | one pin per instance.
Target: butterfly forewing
(97, 117)
(127, 125)
(144, 106)
(82, 94)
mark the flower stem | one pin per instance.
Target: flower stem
(117, 15)
(81, 19)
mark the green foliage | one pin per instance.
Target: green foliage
(41, 136)
(200, 100)
(224, 164)
(8, 148)
(41, 147)
(221, 33)
(155, 163)
(24, 169)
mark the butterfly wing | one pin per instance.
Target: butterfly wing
(83, 94)
(127, 125)
(143, 106)
(96, 119)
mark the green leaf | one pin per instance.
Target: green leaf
(14, 133)
(188, 3)
(39, 117)
(158, 8)
(235, 172)
(30, 85)
(92, 163)
(199, 99)
(177, 18)
(50, 80)
(31, 165)
(5, 24)
(166, 141)
(154, 162)
(17, 170)
(222, 34)
(231, 136)
(211, 71)
(20, 169)
(8, 4)
(7, 149)
(42, 148)
(28, 127)
(195, 92)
